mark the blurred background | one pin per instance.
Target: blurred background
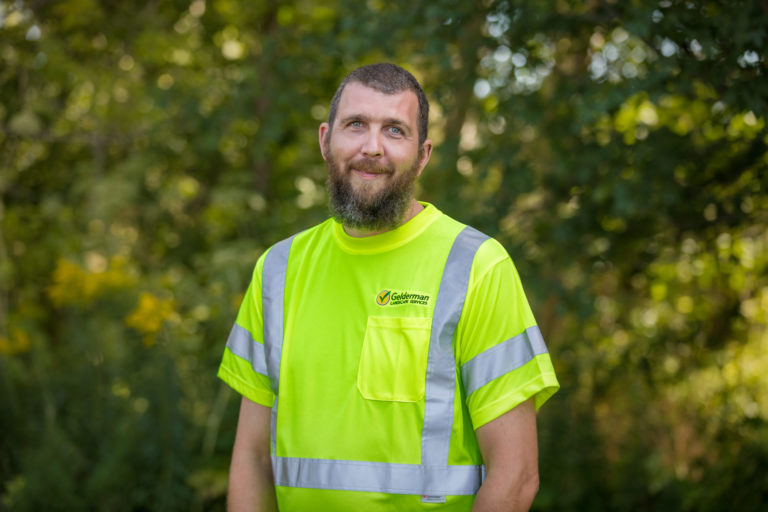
(151, 150)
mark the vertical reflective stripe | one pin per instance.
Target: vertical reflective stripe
(273, 429)
(242, 344)
(502, 359)
(273, 304)
(441, 364)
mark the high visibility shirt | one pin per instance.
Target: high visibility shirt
(380, 356)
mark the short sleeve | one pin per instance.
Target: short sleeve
(243, 365)
(500, 352)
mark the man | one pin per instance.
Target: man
(389, 353)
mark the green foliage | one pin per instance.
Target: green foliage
(150, 152)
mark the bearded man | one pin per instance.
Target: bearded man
(387, 358)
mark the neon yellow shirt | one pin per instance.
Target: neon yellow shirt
(357, 320)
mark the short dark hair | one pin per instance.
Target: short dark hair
(389, 79)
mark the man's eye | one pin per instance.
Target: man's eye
(356, 124)
(395, 130)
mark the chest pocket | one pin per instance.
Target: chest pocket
(393, 362)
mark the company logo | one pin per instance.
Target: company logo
(382, 299)
(397, 298)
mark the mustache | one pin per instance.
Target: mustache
(371, 165)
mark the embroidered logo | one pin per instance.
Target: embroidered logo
(398, 298)
(382, 299)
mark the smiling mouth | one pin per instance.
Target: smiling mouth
(368, 175)
(369, 169)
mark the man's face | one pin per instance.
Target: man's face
(373, 156)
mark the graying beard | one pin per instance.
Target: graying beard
(385, 211)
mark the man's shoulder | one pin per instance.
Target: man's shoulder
(489, 250)
(322, 229)
(318, 230)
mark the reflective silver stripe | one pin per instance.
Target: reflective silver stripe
(272, 304)
(242, 344)
(502, 358)
(273, 427)
(441, 364)
(375, 476)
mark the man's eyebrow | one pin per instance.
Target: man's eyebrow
(355, 117)
(397, 122)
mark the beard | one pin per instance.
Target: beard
(366, 207)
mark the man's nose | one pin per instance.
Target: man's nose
(372, 144)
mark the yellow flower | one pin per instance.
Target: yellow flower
(72, 284)
(17, 343)
(67, 284)
(149, 314)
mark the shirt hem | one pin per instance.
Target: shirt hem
(542, 387)
(253, 394)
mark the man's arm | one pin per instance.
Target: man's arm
(251, 486)
(510, 452)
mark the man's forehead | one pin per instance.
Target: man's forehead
(359, 98)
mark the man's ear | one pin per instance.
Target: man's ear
(426, 147)
(321, 133)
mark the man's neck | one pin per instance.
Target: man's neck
(414, 208)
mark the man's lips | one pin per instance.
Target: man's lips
(368, 175)
(367, 169)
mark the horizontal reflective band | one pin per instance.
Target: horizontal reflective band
(350, 475)
(242, 344)
(502, 359)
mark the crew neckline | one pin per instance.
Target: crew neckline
(389, 239)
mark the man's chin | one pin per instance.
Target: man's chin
(362, 181)
(373, 204)
(366, 202)
(368, 191)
